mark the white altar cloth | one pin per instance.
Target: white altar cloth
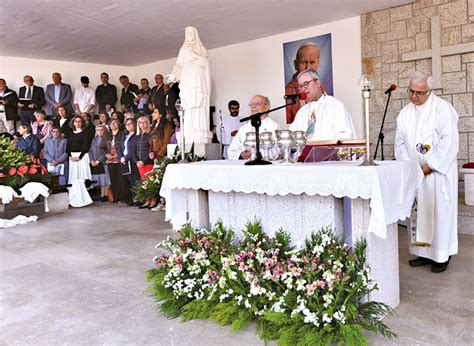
(390, 186)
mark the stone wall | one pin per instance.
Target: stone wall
(400, 40)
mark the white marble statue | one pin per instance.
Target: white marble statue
(192, 70)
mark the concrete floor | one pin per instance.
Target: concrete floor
(79, 278)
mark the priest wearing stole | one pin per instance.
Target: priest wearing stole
(323, 117)
(427, 132)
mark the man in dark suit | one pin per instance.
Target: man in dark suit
(129, 92)
(31, 100)
(58, 94)
(8, 106)
(105, 94)
(158, 93)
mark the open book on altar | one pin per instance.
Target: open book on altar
(333, 150)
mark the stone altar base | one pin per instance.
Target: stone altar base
(299, 215)
(381, 254)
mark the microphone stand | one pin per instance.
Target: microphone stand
(381, 134)
(222, 135)
(256, 122)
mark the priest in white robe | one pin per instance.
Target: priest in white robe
(427, 132)
(258, 103)
(323, 117)
(228, 127)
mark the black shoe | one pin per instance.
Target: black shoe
(144, 206)
(131, 204)
(419, 262)
(440, 267)
(104, 199)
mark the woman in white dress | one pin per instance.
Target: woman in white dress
(79, 164)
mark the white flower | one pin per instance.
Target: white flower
(232, 275)
(340, 317)
(247, 304)
(300, 284)
(326, 319)
(318, 249)
(267, 275)
(270, 295)
(222, 282)
(239, 299)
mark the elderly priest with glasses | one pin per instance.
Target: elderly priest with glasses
(323, 117)
(427, 132)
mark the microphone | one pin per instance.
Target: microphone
(295, 96)
(390, 89)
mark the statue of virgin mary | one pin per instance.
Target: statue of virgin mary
(192, 70)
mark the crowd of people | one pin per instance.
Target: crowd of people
(77, 146)
(111, 149)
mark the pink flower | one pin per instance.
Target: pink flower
(242, 266)
(320, 283)
(296, 271)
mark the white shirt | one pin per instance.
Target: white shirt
(237, 145)
(333, 120)
(84, 97)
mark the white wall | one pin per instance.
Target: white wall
(238, 71)
(256, 67)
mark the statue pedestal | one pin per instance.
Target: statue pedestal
(198, 137)
(210, 150)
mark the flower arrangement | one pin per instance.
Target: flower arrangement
(150, 186)
(308, 296)
(18, 168)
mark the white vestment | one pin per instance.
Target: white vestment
(429, 135)
(224, 129)
(333, 120)
(237, 145)
(84, 97)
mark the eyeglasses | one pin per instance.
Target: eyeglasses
(256, 104)
(306, 84)
(417, 93)
(78, 121)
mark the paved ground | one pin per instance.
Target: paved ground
(79, 278)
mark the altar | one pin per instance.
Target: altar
(301, 198)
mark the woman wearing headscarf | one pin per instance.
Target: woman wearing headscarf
(100, 146)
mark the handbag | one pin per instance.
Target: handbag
(99, 169)
(125, 168)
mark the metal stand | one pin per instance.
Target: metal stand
(368, 159)
(381, 134)
(181, 137)
(256, 122)
(221, 147)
